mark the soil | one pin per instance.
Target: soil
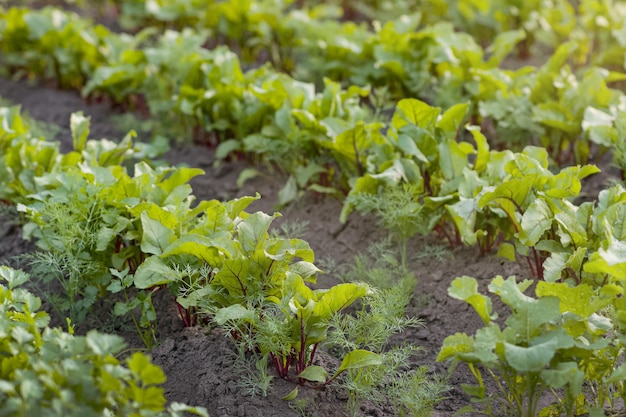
(199, 363)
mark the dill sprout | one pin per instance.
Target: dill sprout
(398, 210)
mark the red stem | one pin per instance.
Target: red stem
(313, 354)
(538, 264)
(530, 266)
(442, 231)
(182, 315)
(302, 356)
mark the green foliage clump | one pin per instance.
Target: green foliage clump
(567, 341)
(46, 371)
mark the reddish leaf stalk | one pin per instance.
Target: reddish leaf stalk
(538, 264)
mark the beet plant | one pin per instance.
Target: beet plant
(254, 285)
(566, 342)
(530, 204)
(421, 149)
(23, 155)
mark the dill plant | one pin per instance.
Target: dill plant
(252, 368)
(68, 227)
(398, 211)
(380, 317)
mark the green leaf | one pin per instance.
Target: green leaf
(359, 358)
(532, 358)
(314, 373)
(611, 260)
(104, 344)
(463, 213)
(618, 375)
(581, 300)
(594, 117)
(306, 270)
(409, 147)
(507, 251)
(452, 119)
(166, 218)
(292, 395)
(553, 266)
(121, 309)
(570, 230)
(153, 272)
(156, 237)
(454, 345)
(503, 45)
(566, 373)
(487, 341)
(339, 297)
(510, 196)
(234, 276)
(233, 312)
(179, 177)
(252, 232)
(289, 192)
(246, 175)
(304, 174)
(453, 158)
(352, 143)
(236, 206)
(482, 149)
(227, 147)
(557, 116)
(145, 370)
(79, 125)
(280, 249)
(199, 246)
(466, 288)
(415, 112)
(537, 219)
(13, 277)
(529, 314)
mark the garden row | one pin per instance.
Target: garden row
(173, 76)
(104, 233)
(280, 28)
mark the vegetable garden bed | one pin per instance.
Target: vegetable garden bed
(398, 216)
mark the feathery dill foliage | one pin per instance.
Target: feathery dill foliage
(398, 210)
(382, 315)
(253, 371)
(437, 252)
(68, 232)
(296, 229)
